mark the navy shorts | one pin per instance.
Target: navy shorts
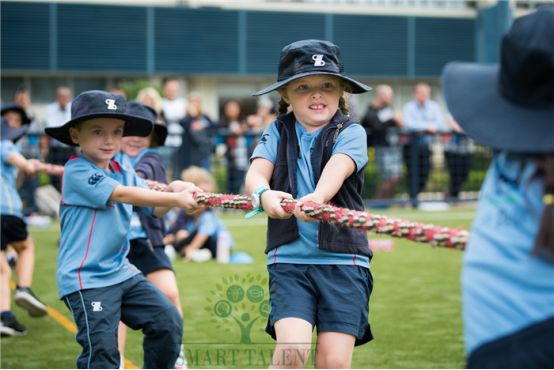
(147, 258)
(330, 297)
(14, 229)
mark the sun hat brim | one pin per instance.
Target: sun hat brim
(134, 126)
(7, 133)
(357, 87)
(161, 131)
(25, 120)
(473, 98)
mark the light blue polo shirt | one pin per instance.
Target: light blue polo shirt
(504, 287)
(304, 250)
(93, 245)
(11, 201)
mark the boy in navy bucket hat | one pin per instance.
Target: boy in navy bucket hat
(95, 279)
(14, 125)
(315, 153)
(508, 266)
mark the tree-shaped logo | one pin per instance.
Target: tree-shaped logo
(242, 300)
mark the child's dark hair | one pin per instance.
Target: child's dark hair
(343, 107)
(545, 236)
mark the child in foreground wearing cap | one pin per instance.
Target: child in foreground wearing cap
(508, 266)
(14, 230)
(146, 233)
(315, 153)
(95, 279)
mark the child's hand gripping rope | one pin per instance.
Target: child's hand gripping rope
(415, 231)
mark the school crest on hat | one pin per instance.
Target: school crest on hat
(311, 57)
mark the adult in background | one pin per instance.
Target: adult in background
(508, 266)
(422, 117)
(238, 146)
(384, 123)
(57, 114)
(197, 145)
(174, 108)
(457, 151)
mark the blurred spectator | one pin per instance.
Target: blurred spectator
(195, 234)
(457, 150)
(116, 89)
(174, 109)
(151, 97)
(237, 146)
(30, 148)
(383, 122)
(422, 117)
(265, 114)
(57, 114)
(197, 145)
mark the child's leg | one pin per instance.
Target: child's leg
(96, 313)
(26, 261)
(294, 343)
(121, 337)
(164, 279)
(5, 274)
(145, 307)
(334, 350)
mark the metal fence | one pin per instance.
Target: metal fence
(441, 167)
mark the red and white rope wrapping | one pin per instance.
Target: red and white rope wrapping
(361, 220)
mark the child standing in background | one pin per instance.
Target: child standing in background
(315, 153)
(14, 230)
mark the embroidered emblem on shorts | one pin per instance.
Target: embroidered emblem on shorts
(96, 306)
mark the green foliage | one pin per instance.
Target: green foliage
(132, 87)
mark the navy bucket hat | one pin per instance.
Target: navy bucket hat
(136, 108)
(101, 104)
(311, 57)
(7, 133)
(25, 120)
(509, 106)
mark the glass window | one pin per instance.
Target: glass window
(43, 89)
(86, 84)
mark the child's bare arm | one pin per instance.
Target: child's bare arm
(178, 187)
(22, 163)
(259, 175)
(338, 169)
(162, 201)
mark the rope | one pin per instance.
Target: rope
(342, 217)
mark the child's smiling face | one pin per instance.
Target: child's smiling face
(133, 145)
(314, 99)
(99, 139)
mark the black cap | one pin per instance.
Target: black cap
(311, 57)
(101, 104)
(137, 108)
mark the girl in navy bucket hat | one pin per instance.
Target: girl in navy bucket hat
(508, 266)
(318, 274)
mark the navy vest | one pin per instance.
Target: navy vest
(331, 237)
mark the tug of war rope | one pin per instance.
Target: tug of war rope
(343, 217)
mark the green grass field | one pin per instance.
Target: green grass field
(414, 308)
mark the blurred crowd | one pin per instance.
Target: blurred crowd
(401, 140)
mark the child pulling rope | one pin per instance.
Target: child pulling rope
(415, 231)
